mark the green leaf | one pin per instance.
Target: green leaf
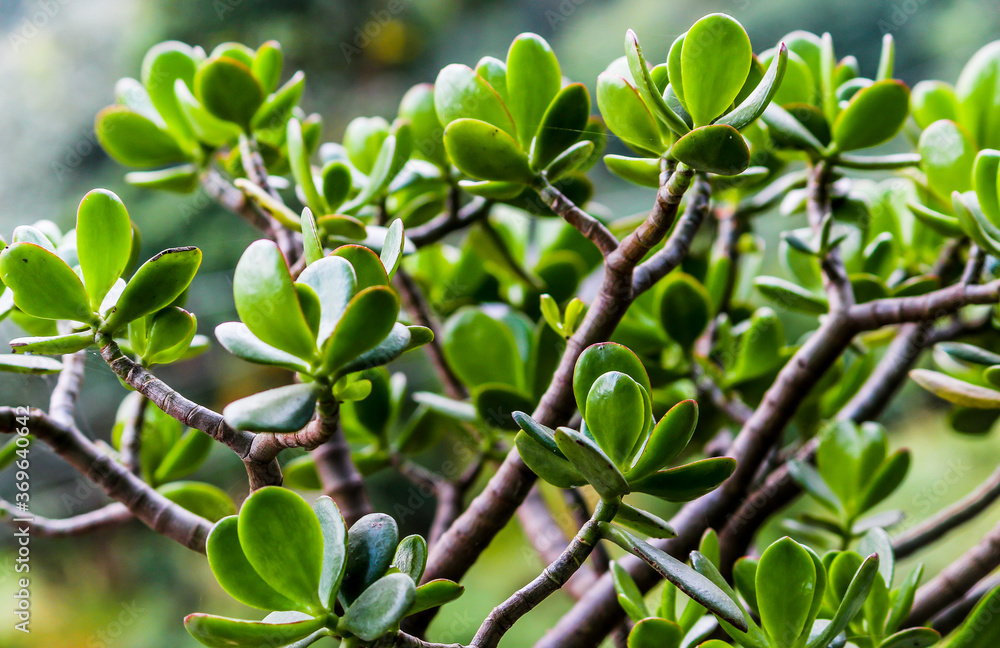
(334, 550)
(851, 603)
(367, 267)
(283, 541)
(235, 574)
(941, 223)
(363, 140)
(496, 402)
(380, 607)
(411, 557)
(873, 116)
(183, 178)
(220, 632)
(417, 106)
(561, 125)
(435, 594)
(644, 172)
(134, 140)
(484, 151)
(29, 364)
(298, 159)
(931, 101)
(956, 391)
(643, 522)
(745, 580)
(912, 638)
(481, 350)
(753, 106)
(597, 360)
(696, 586)
(155, 285)
(164, 65)
(184, 457)
(902, 602)
(626, 114)
(785, 586)
(685, 308)
(714, 62)
(655, 633)
(207, 127)
(266, 65)
(228, 89)
(392, 248)
(886, 481)
(969, 353)
(54, 344)
(9, 450)
(629, 595)
(593, 463)
(43, 285)
(300, 474)
(371, 545)
(759, 348)
(103, 242)
(333, 280)
(687, 482)
(948, 154)
(786, 130)
(549, 465)
(651, 94)
(337, 183)
(236, 338)
(714, 149)
(170, 335)
(667, 440)
(461, 93)
(369, 317)
(986, 171)
(615, 414)
(283, 409)
(278, 106)
(976, 92)
(533, 80)
(790, 295)
(267, 302)
(811, 481)
(205, 500)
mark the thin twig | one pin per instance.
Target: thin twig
(586, 224)
(838, 286)
(548, 540)
(340, 477)
(443, 225)
(953, 615)
(131, 437)
(107, 516)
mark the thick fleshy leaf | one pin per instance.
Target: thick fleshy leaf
(599, 470)
(629, 595)
(496, 402)
(298, 159)
(103, 242)
(369, 317)
(484, 151)
(943, 224)
(134, 140)
(43, 285)
(884, 482)
(235, 574)
(544, 435)
(667, 440)
(283, 541)
(155, 285)
(371, 545)
(651, 94)
(696, 586)
(337, 183)
(183, 178)
(956, 391)
(753, 106)
(333, 280)
(334, 550)
(380, 607)
(644, 172)
(164, 65)
(873, 116)
(685, 308)
(236, 338)
(976, 92)
(812, 482)
(53, 344)
(787, 131)
(300, 474)
(562, 125)
(790, 295)
(913, 638)
(228, 89)
(368, 267)
(655, 633)
(714, 62)
(759, 348)
(363, 141)
(184, 457)
(598, 359)
(461, 93)
(278, 106)
(267, 303)
(266, 65)
(615, 414)
(643, 522)
(29, 364)
(986, 172)
(283, 409)
(851, 602)
(411, 557)
(392, 247)
(548, 465)
(417, 105)
(785, 586)
(931, 101)
(207, 127)
(714, 149)
(171, 331)
(626, 114)
(204, 500)
(533, 80)
(948, 153)
(687, 482)
(980, 629)
(435, 594)
(481, 349)
(220, 632)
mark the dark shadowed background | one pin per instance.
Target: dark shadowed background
(59, 60)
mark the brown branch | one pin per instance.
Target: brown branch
(261, 473)
(107, 516)
(953, 615)
(225, 194)
(62, 402)
(548, 540)
(590, 227)
(839, 292)
(154, 510)
(340, 477)
(131, 438)
(898, 310)
(451, 221)
(730, 404)
(253, 166)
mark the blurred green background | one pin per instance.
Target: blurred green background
(59, 60)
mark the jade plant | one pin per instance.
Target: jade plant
(440, 294)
